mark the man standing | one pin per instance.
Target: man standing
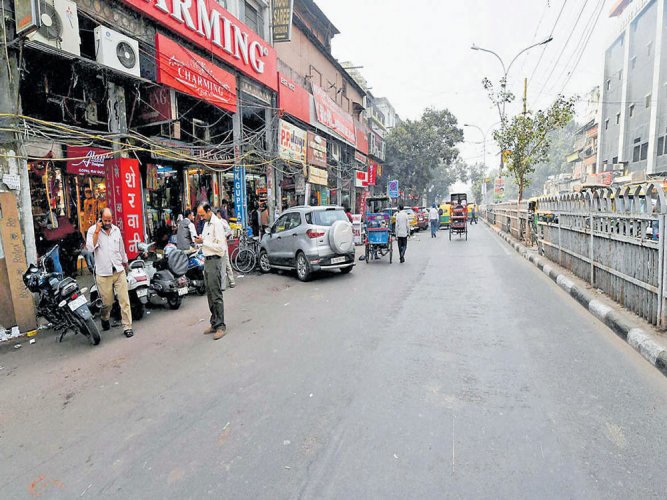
(106, 243)
(229, 272)
(214, 245)
(434, 219)
(186, 231)
(402, 231)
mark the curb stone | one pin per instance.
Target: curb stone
(635, 336)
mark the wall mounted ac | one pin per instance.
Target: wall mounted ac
(59, 28)
(117, 51)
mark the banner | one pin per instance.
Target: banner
(282, 20)
(291, 142)
(392, 189)
(360, 178)
(361, 135)
(240, 198)
(317, 150)
(186, 72)
(331, 115)
(207, 24)
(87, 160)
(124, 199)
(318, 176)
(372, 173)
(499, 189)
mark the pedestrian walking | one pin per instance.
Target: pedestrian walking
(214, 246)
(434, 219)
(186, 231)
(105, 241)
(402, 231)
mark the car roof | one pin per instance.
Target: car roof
(313, 208)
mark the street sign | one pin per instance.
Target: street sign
(392, 189)
(240, 199)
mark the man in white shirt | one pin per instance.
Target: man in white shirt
(434, 218)
(105, 241)
(214, 246)
(402, 231)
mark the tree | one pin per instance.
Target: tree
(419, 151)
(527, 139)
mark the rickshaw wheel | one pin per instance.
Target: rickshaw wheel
(391, 251)
(367, 254)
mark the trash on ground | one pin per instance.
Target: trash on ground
(286, 442)
(287, 467)
(17, 346)
(15, 332)
(33, 341)
(32, 333)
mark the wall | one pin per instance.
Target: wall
(611, 107)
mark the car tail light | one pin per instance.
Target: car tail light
(315, 233)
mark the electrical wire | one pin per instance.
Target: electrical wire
(544, 48)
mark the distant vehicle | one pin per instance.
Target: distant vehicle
(445, 211)
(422, 218)
(412, 218)
(309, 239)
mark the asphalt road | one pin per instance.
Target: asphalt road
(463, 373)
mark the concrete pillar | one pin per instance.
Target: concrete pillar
(624, 96)
(656, 94)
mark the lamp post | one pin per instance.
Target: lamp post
(484, 134)
(506, 69)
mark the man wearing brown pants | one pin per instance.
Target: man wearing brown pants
(106, 242)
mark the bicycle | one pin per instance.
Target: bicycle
(244, 256)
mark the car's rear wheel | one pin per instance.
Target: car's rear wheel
(303, 271)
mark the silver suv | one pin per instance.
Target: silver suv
(309, 239)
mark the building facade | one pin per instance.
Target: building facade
(633, 116)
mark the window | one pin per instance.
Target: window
(293, 221)
(632, 110)
(608, 84)
(644, 152)
(253, 18)
(615, 160)
(637, 139)
(315, 76)
(618, 118)
(661, 145)
(620, 74)
(647, 101)
(633, 61)
(606, 124)
(635, 153)
(325, 217)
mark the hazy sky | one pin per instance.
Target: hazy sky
(418, 53)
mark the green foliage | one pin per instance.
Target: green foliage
(421, 152)
(528, 137)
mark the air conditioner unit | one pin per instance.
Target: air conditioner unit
(59, 28)
(117, 51)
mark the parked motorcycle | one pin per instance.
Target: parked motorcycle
(167, 275)
(61, 301)
(138, 285)
(195, 272)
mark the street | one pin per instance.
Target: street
(463, 373)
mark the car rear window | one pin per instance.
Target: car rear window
(325, 217)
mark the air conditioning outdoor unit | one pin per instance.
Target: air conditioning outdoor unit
(117, 51)
(59, 28)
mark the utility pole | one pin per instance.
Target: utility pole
(525, 96)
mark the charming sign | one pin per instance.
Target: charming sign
(331, 115)
(291, 143)
(317, 150)
(293, 99)
(124, 199)
(185, 71)
(84, 160)
(282, 20)
(211, 27)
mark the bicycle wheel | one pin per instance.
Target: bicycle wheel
(245, 260)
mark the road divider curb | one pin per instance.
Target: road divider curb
(639, 339)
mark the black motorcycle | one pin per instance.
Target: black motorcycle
(167, 275)
(61, 301)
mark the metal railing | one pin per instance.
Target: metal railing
(612, 238)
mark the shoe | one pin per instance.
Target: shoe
(128, 333)
(106, 325)
(232, 285)
(402, 260)
(221, 332)
(209, 330)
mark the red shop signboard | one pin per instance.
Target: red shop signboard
(333, 116)
(124, 199)
(211, 27)
(293, 99)
(361, 133)
(372, 173)
(186, 72)
(84, 160)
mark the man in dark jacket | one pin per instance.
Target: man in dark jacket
(186, 231)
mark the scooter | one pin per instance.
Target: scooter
(138, 285)
(167, 276)
(195, 272)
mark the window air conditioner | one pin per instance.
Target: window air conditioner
(117, 51)
(59, 28)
